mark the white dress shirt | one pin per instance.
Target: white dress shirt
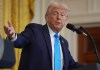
(52, 43)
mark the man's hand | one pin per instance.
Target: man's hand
(10, 31)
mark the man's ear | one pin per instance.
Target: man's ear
(46, 17)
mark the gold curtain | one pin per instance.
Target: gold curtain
(19, 12)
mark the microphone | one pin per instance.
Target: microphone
(73, 28)
(82, 31)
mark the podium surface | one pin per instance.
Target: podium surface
(89, 67)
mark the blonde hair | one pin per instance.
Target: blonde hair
(55, 4)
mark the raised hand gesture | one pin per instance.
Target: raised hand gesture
(10, 31)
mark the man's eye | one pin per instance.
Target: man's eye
(55, 13)
(62, 14)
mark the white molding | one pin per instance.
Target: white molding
(39, 11)
(85, 18)
(90, 6)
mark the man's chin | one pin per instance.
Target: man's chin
(58, 29)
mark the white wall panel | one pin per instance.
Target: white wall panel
(84, 11)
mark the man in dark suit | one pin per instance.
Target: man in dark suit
(37, 41)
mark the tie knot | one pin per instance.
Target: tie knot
(56, 35)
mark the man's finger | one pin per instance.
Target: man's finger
(5, 28)
(10, 24)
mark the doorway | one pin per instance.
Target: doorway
(85, 47)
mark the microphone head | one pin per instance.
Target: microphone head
(73, 28)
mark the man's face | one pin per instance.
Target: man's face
(57, 18)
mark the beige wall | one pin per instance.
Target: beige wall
(83, 11)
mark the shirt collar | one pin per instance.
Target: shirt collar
(51, 31)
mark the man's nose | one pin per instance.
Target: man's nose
(59, 16)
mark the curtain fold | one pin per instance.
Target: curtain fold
(20, 13)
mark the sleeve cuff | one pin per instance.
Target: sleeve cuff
(14, 39)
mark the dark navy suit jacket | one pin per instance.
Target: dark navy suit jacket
(37, 52)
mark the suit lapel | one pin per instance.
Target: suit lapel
(64, 50)
(48, 40)
(48, 43)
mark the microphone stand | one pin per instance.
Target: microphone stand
(93, 42)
